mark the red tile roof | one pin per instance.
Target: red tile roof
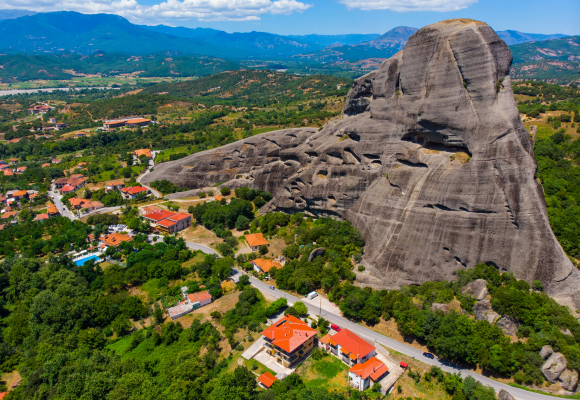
(351, 343)
(67, 188)
(266, 265)
(40, 217)
(134, 190)
(289, 333)
(256, 239)
(7, 172)
(166, 223)
(179, 217)
(267, 379)
(137, 121)
(159, 215)
(114, 239)
(143, 152)
(199, 296)
(19, 193)
(372, 368)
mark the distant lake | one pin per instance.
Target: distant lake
(48, 90)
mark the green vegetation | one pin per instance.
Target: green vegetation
(165, 187)
(548, 60)
(257, 88)
(549, 97)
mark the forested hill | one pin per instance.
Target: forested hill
(556, 60)
(254, 87)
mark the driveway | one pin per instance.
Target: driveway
(517, 393)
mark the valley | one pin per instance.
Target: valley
(287, 217)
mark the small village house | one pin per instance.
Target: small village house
(133, 192)
(289, 340)
(52, 211)
(114, 186)
(266, 380)
(199, 299)
(263, 266)
(114, 239)
(350, 348)
(363, 376)
(142, 152)
(255, 240)
(168, 222)
(41, 217)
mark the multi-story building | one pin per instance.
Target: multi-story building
(361, 376)
(350, 348)
(289, 340)
(168, 222)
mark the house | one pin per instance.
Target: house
(114, 186)
(115, 239)
(8, 172)
(66, 189)
(9, 214)
(143, 152)
(20, 170)
(77, 181)
(150, 209)
(350, 348)
(15, 140)
(41, 217)
(255, 240)
(289, 340)
(362, 376)
(52, 211)
(52, 120)
(199, 299)
(168, 222)
(85, 204)
(133, 192)
(60, 125)
(40, 109)
(266, 380)
(32, 196)
(55, 161)
(136, 122)
(19, 194)
(46, 165)
(13, 161)
(263, 266)
(180, 310)
(80, 135)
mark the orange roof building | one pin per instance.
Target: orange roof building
(115, 239)
(52, 210)
(143, 152)
(8, 172)
(202, 298)
(9, 214)
(351, 348)
(137, 122)
(264, 266)
(289, 340)
(255, 240)
(19, 193)
(267, 380)
(361, 375)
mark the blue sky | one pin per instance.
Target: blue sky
(326, 16)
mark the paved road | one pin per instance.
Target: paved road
(155, 193)
(398, 346)
(190, 245)
(61, 207)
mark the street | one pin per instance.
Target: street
(155, 193)
(58, 204)
(519, 394)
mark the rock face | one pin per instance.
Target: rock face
(554, 366)
(484, 312)
(504, 395)
(508, 325)
(546, 352)
(440, 307)
(316, 252)
(569, 380)
(476, 289)
(431, 162)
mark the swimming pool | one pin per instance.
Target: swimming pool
(82, 261)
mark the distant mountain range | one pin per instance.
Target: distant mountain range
(23, 31)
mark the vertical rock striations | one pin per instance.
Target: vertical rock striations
(430, 162)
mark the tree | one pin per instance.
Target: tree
(300, 308)
(121, 325)
(222, 268)
(158, 314)
(91, 339)
(538, 286)
(263, 249)
(225, 191)
(244, 281)
(242, 223)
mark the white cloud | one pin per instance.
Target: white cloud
(202, 10)
(409, 5)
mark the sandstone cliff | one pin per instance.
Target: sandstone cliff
(430, 162)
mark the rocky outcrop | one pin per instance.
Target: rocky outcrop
(546, 351)
(316, 253)
(508, 325)
(554, 366)
(504, 395)
(484, 312)
(440, 307)
(431, 162)
(569, 380)
(476, 289)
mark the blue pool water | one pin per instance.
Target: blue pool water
(84, 260)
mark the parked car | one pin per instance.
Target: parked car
(429, 355)
(335, 327)
(272, 287)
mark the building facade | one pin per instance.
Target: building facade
(289, 340)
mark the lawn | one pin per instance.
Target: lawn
(329, 373)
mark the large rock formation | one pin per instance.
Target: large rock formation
(431, 163)
(554, 366)
(476, 289)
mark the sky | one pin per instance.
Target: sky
(300, 17)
